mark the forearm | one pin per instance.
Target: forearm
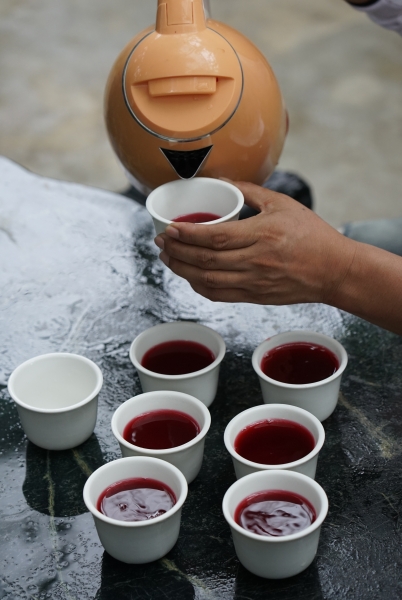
(372, 287)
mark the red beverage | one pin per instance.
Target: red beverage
(274, 442)
(299, 363)
(161, 429)
(136, 499)
(197, 217)
(177, 357)
(275, 513)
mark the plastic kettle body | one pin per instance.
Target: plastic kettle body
(191, 97)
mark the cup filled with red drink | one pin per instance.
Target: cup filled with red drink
(197, 200)
(168, 425)
(57, 398)
(275, 518)
(181, 356)
(274, 436)
(136, 504)
(302, 368)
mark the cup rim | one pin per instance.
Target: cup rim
(284, 466)
(162, 452)
(285, 538)
(40, 357)
(321, 337)
(228, 216)
(134, 524)
(220, 356)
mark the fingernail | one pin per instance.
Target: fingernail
(159, 242)
(164, 258)
(226, 179)
(172, 232)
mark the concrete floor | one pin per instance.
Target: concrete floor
(341, 76)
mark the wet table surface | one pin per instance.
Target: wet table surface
(80, 273)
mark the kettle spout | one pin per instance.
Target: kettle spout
(180, 16)
(186, 163)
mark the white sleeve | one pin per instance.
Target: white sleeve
(387, 13)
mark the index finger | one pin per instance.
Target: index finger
(222, 236)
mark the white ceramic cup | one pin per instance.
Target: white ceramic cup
(200, 194)
(137, 542)
(306, 465)
(319, 398)
(57, 399)
(268, 556)
(201, 384)
(187, 457)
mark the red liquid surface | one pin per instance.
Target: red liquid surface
(161, 429)
(274, 442)
(275, 513)
(136, 499)
(197, 217)
(177, 357)
(299, 363)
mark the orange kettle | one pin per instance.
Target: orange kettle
(193, 97)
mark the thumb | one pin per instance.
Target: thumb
(256, 196)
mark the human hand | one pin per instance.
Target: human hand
(284, 255)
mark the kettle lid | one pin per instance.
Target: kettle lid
(183, 81)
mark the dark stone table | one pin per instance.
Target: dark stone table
(80, 273)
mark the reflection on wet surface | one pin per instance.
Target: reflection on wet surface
(81, 275)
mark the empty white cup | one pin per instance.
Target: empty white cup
(319, 398)
(268, 556)
(265, 412)
(57, 399)
(137, 542)
(187, 457)
(201, 384)
(200, 194)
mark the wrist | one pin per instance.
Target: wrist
(339, 270)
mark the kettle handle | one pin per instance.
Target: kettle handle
(180, 16)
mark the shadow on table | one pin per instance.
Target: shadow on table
(154, 580)
(305, 585)
(161, 580)
(54, 480)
